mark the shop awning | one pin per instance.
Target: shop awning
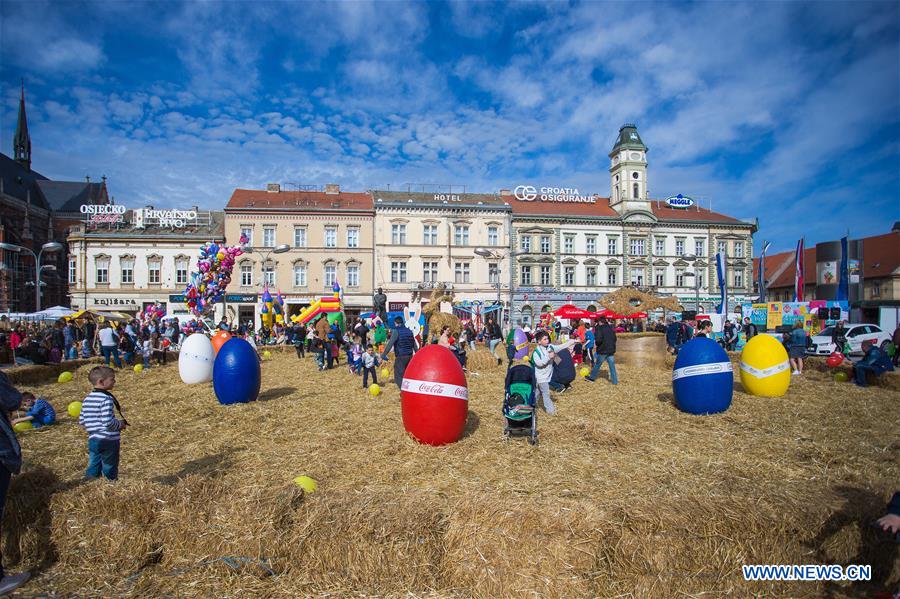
(572, 312)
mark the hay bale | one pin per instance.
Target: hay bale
(29, 375)
(644, 350)
(481, 360)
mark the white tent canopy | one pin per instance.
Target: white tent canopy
(54, 313)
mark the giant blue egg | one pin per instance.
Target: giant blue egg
(236, 374)
(703, 379)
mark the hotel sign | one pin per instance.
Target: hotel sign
(529, 193)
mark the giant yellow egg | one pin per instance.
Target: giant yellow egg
(765, 369)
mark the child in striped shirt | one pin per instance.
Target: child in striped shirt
(98, 419)
(39, 411)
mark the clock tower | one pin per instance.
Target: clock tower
(628, 172)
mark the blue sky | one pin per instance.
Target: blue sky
(789, 112)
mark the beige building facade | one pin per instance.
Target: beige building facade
(423, 239)
(302, 242)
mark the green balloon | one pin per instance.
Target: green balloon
(841, 377)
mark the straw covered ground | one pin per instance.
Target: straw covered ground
(624, 496)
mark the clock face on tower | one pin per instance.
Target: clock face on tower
(635, 155)
(635, 175)
(616, 159)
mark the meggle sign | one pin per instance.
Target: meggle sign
(679, 201)
(102, 213)
(528, 193)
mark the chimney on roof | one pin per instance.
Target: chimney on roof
(273, 188)
(332, 188)
(505, 192)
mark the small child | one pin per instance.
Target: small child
(369, 363)
(146, 350)
(85, 349)
(39, 412)
(356, 353)
(543, 359)
(98, 419)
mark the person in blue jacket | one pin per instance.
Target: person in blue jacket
(874, 361)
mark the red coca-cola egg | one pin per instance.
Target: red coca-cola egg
(434, 397)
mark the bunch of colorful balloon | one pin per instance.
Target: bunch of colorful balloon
(191, 327)
(152, 311)
(272, 309)
(208, 284)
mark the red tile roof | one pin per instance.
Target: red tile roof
(261, 199)
(538, 208)
(695, 213)
(881, 257)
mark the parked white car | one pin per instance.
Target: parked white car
(856, 334)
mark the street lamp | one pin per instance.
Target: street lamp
(49, 247)
(266, 253)
(491, 254)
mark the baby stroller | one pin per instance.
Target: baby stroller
(519, 403)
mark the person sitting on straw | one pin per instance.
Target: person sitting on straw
(39, 411)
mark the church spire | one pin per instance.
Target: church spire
(21, 139)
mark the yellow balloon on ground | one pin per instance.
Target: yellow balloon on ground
(765, 369)
(64, 377)
(21, 427)
(138, 367)
(309, 485)
(385, 372)
(74, 409)
(374, 389)
(841, 377)
(585, 371)
(267, 354)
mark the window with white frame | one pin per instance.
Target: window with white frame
(155, 271)
(876, 288)
(738, 249)
(269, 273)
(637, 246)
(431, 234)
(612, 276)
(299, 237)
(269, 236)
(699, 247)
(679, 247)
(331, 237)
(299, 274)
(461, 235)
(398, 234)
(569, 244)
(461, 272)
(722, 247)
(738, 278)
(126, 265)
(181, 271)
(493, 235)
(353, 237)
(698, 278)
(73, 266)
(525, 243)
(430, 271)
(398, 271)
(660, 246)
(247, 275)
(591, 244)
(545, 244)
(247, 231)
(493, 273)
(102, 271)
(637, 277)
(612, 245)
(591, 276)
(353, 275)
(569, 276)
(679, 277)
(330, 275)
(660, 277)
(525, 275)
(546, 276)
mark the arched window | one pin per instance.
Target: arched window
(526, 315)
(617, 193)
(637, 191)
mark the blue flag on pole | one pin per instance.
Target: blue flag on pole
(843, 290)
(761, 277)
(721, 267)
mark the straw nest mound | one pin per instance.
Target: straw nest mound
(623, 496)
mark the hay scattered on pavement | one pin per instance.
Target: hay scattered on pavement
(624, 494)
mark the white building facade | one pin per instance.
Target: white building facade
(127, 264)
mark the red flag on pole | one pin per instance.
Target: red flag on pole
(798, 272)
